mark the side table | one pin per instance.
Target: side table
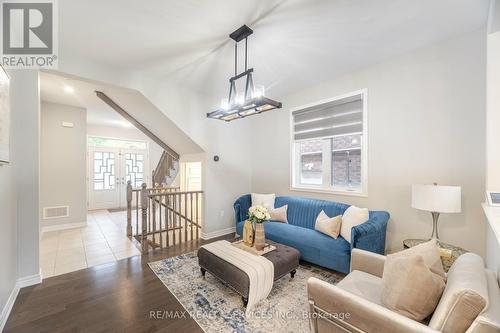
(448, 260)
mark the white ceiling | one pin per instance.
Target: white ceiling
(296, 42)
(52, 89)
(98, 113)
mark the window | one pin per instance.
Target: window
(134, 169)
(104, 171)
(96, 141)
(329, 145)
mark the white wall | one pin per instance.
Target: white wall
(493, 113)
(19, 191)
(8, 225)
(492, 258)
(426, 123)
(63, 163)
(494, 17)
(25, 143)
(493, 125)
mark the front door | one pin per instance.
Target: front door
(134, 166)
(109, 169)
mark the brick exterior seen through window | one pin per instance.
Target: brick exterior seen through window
(346, 161)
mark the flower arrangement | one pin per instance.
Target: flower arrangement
(258, 214)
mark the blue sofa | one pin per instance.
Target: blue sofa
(314, 246)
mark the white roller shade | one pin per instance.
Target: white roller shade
(339, 117)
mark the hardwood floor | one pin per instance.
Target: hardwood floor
(114, 297)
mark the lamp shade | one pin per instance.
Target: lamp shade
(437, 198)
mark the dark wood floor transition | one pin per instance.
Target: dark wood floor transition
(115, 297)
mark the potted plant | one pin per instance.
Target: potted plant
(257, 215)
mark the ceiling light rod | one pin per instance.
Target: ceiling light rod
(241, 33)
(253, 100)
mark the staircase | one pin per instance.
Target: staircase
(168, 165)
(160, 215)
(166, 171)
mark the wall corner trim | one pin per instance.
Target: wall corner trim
(29, 280)
(218, 233)
(22, 282)
(8, 307)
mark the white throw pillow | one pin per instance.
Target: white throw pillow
(328, 225)
(279, 214)
(352, 217)
(266, 200)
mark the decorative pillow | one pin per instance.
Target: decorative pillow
(409, 287)
(430, 252)
(352, 217)
(266, 200)
(328, 225)
(279, 214)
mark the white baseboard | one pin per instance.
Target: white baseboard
(8, 307)
(218, 233)
(29, 280)
(64, 226)
(25, 281)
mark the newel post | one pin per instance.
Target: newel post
(129, 208)
(144, 209)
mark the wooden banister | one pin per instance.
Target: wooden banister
(165, 165)
(129, 208)
(168, 216)
(144, 215)
(191, 221)
(106, 99)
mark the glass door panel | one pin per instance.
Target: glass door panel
(134, 168)
(109, 170)
(103, 190)
(104, 170)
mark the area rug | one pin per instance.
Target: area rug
(217, 308)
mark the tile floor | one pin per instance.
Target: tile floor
(102, 241)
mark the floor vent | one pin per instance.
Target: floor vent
(55, 212)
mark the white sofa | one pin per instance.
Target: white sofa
(470, 302)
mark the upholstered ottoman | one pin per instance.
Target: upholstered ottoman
(285, 260)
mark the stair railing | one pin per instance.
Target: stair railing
(163, 216)
(166, 165)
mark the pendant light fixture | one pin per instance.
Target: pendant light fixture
(252, 100)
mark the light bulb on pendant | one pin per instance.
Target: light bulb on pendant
(259, 91)
(224, 104)
(239, 100)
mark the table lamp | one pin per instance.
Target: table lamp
(436, 199)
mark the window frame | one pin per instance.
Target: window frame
(89, 136)
(295, 157)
